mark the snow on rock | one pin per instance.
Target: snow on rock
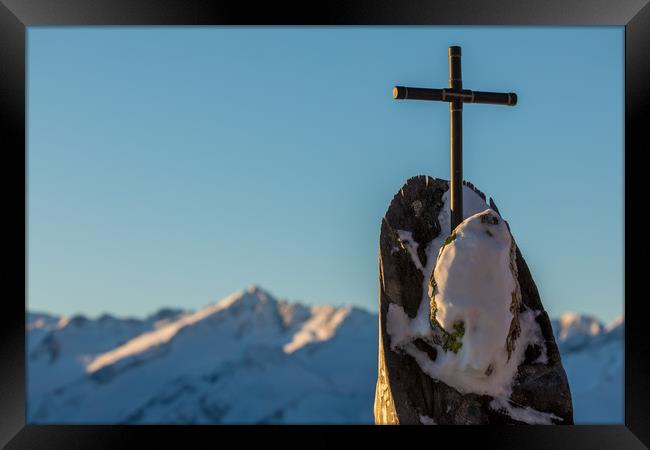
(473, 291)
(407, 242)
(455, 328)
(420, 326)
(475, 288)
(523, 413)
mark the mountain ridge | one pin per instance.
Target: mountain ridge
(248, 358)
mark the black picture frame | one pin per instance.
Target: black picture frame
(17, 15)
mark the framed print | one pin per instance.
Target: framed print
(315, 221)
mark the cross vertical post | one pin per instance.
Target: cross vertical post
(456, 96)
(456, 139)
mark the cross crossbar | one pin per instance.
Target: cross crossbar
(450, 95)
(455, 95)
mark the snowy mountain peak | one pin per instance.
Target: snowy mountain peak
(259, 292)
(251, 297)
(573, 324)
(252, 316)
(575, 331)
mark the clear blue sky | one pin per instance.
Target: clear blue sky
(172, 166)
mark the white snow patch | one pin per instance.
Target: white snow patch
(523, 413)
(475, 286)
(426, 420)
(451, 368)
(407, 242)
(398, 326)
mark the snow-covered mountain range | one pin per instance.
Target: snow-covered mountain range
(251, 358)
(593, 358)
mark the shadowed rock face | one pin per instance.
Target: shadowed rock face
(404, 393)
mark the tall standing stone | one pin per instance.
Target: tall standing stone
(407, 395)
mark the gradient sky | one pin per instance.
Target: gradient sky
(170, 166)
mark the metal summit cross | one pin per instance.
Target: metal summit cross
(456, 96)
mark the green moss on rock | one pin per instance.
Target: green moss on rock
(453, 341)
(449, 341)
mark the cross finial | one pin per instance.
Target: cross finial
(456, 96)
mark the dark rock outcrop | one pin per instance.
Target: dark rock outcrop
(404, 393)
